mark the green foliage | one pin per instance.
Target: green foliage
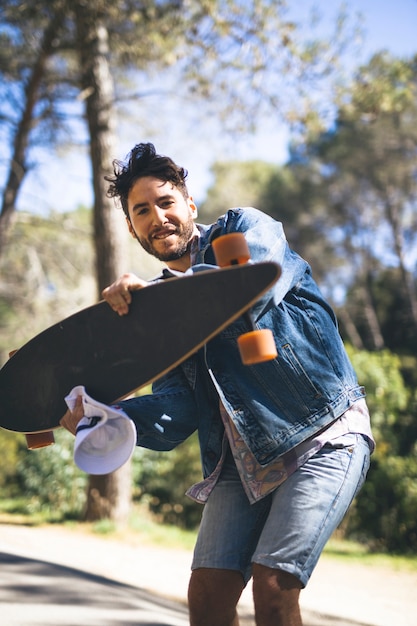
(385, 86)
(11, 447)
(363, 172)
(168, 535)
(385, 512)
(233, 57)
(394, 312)
(392, 307)
(386, 509)
(162, 478)
(387, 395)
(50, 482)
(347, 200)
(283, 192)
(236, 183)
(46, 273)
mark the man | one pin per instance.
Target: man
(285, 444)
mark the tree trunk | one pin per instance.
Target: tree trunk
(371, 318)
(350, 329)
(393, 214)
(108, 496)
(18, 165)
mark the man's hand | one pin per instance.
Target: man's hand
(71, 418)
(118, 293)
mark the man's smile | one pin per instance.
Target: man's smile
(164, 233)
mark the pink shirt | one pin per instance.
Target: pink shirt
(257, 480)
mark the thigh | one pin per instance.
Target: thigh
(229, 529)
(308, 507)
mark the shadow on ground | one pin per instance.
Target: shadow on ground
(39, 593)
(35, 593)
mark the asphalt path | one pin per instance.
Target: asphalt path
(38, 593)
(56, 576)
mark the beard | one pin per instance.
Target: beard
(183, 232)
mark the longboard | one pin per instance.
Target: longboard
(112, 356)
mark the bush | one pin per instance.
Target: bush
(50, 481)
(162, 478)
(386, 509)
(386, 393)
(12, 446)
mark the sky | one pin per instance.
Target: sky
(64, 182)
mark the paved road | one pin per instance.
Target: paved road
(40, 593)
(36, 593)
(53, 576)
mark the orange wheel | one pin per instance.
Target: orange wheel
(231, 249)
(257, 346)
(40, 440)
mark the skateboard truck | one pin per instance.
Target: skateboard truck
(37, 440)
(257, 345)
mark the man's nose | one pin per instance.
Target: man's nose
(159, 216)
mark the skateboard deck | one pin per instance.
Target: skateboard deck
(112, 356)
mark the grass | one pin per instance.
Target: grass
(15, 511)
(143, 529)
(357, 552)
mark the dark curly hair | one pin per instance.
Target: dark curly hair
(143, 161)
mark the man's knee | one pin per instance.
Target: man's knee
(213, 595)
(276, 596)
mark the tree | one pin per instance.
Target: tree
(384, 512)
(385, 94)
(368, 167)
(236, 183)
(239, 62)
(44, 277)
(27, 90)
(221, 51)
(108, 495)
(288, 193)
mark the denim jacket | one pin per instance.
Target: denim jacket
(274, 405)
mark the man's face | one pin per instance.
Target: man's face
(162, 220)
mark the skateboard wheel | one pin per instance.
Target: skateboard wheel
(231, 249)
(257, 346)
(39, 440)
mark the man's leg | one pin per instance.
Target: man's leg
(213, 595)
(229, 532)
(305, 511)
(276, 597)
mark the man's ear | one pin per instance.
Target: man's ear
(130, 227)
(193, 207)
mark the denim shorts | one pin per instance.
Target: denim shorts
(288, 529)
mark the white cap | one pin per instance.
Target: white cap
(105, 438)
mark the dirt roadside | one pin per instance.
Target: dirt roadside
(338, 594)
